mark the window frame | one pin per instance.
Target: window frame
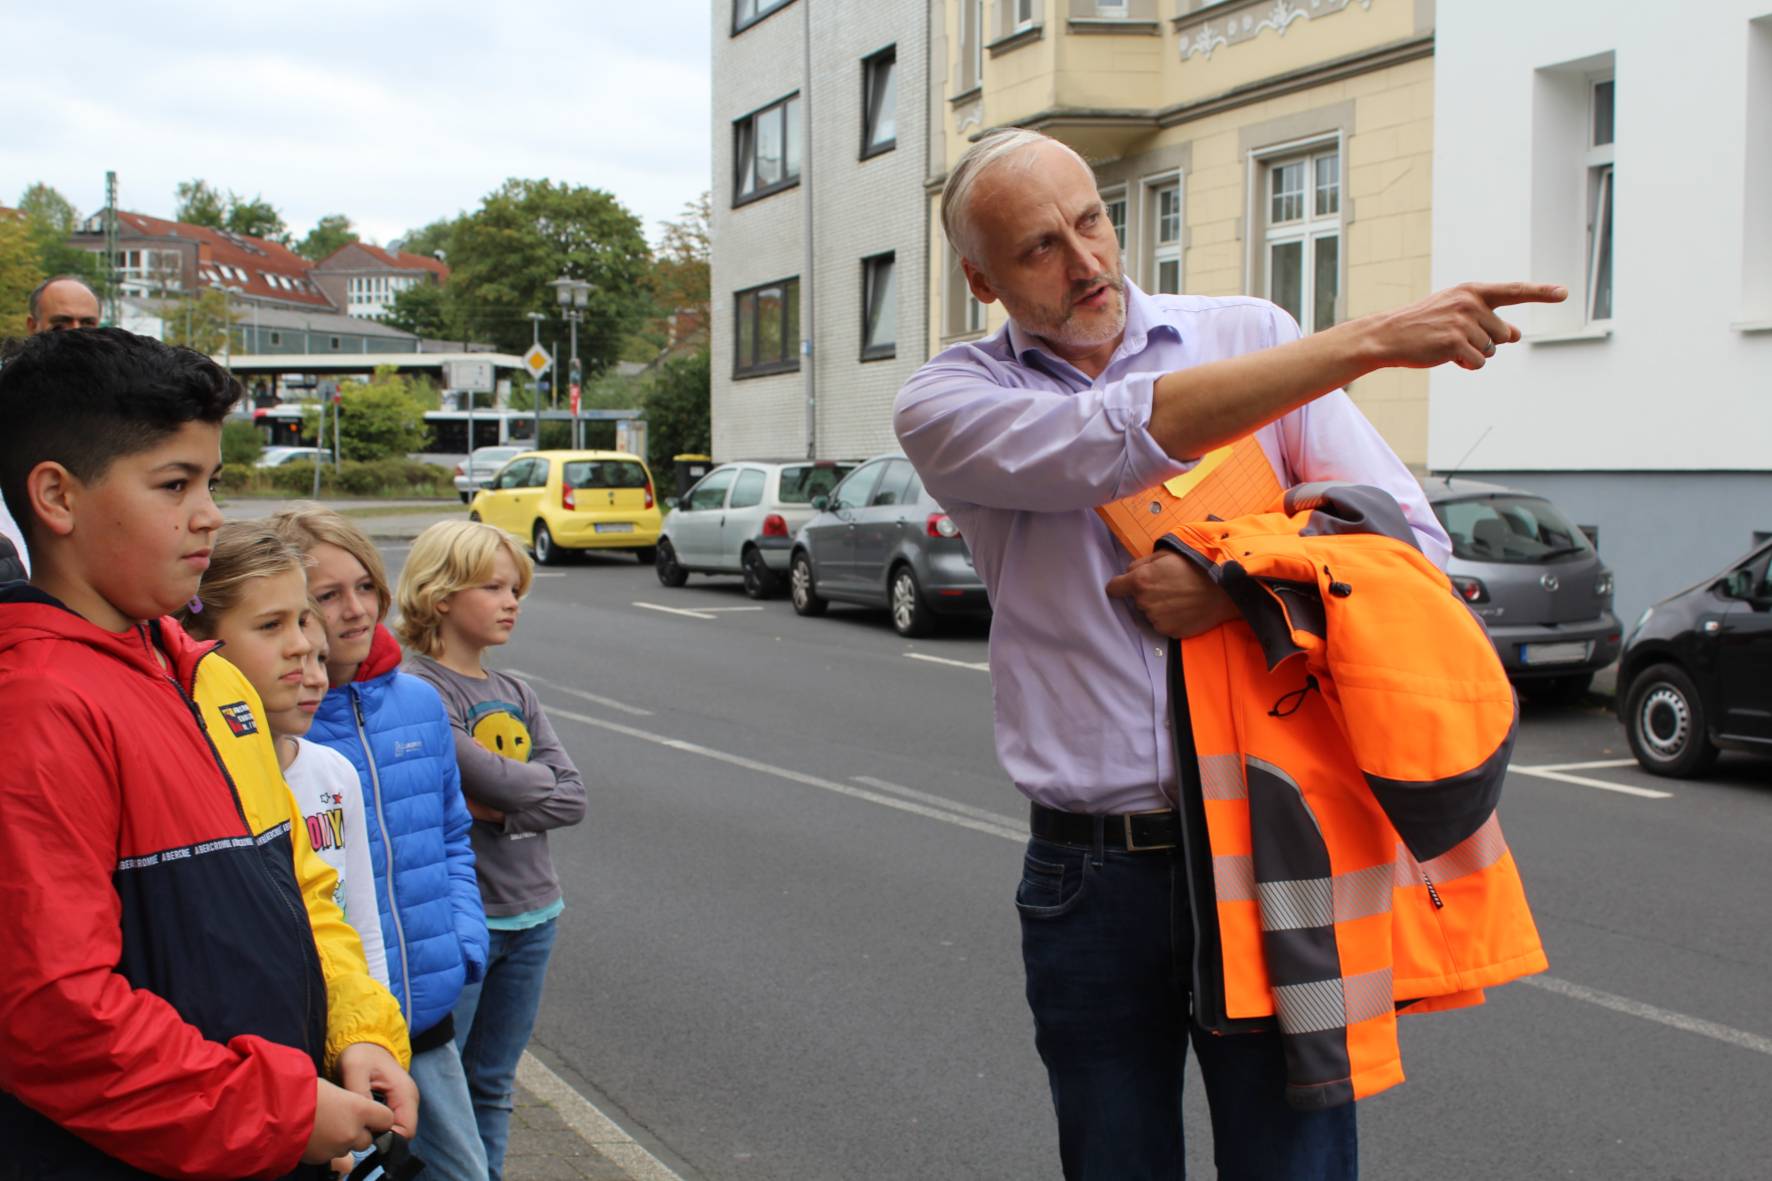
(1111, 196)
(725, 490)
(739, 126)
(1156, 251)
(790, 360)
(738, 482)
(1600, 206)
(870, 105)
(1307, 229)
(889, 350)
(871, 471)
(765, 10)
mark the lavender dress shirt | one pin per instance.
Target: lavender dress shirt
(1020, 447)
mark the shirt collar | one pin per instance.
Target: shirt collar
(1143, 317)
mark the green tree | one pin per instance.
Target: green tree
(429, 240)
(526, 234)
(52, 218)
(256, 218)
(329, 233)
(241, 441)
(422, 309)
(200, 204)
(680, 281)
(199, 321)
(381, 418)
(678, 418)
(46, 207)
(21, 269)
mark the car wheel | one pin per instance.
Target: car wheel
(546, 552)
(473, 516)
(646, 555)
(911, 616)
(802, 590)
(1665, 720)
(1564, 690)
(670, 572)
(760, 582)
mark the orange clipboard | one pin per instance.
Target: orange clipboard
(1232, 481)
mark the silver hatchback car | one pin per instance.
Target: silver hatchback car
(1536, 582)
(741, 518)
(882, 541)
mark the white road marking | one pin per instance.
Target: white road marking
(1646, 793)
(995, 828)
(592, 1126)
(1596, 765)
(623, 706)
(911, 793)
(675, 610)
(715, 610)
(981, 666)
(1622, 1004)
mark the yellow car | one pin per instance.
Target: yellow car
(556, 501)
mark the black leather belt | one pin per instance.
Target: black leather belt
(1135, 832)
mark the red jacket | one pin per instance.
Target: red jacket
(164, 1003)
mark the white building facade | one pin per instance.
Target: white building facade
(858, 280)
(1624, 150)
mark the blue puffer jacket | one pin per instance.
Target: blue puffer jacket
(431, 917)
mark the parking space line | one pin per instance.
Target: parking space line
(1646, 793)
(995, 828)
(911, 793)
(675, 610)
(1595, 765)
(981, 666)
(1648, 1012)
(611, 703)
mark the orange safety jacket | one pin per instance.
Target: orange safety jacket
(1349, 737)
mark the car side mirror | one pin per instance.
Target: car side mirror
(821, 502)
(671, 502)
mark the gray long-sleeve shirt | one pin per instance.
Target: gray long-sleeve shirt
(511, 761)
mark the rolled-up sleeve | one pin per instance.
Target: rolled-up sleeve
(975, 439)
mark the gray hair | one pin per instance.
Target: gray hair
(991, 148)
(34, 304)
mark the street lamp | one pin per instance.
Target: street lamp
(574, 296)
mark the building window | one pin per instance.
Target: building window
(746, 13)
(1115, 204)
(971, 71)
(1111, 9)
(879, 121)
(768, 338)
(1024, 14)
(276, 339)
(768, 155)
(962, 314)
(1302, 263)
(1165, 236)
(1600, 186)
(879, 307)
(334, 343)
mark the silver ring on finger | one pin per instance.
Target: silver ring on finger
(1489, 348)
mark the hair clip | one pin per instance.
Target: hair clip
(196, 604)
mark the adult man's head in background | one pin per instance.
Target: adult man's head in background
(59, 303)
(1022, 211)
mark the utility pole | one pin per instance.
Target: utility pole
(535, 319)
(807, 359)
(113, 290)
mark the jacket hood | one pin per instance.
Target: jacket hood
(28, 614)
(384, 656)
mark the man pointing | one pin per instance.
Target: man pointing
(1095, 391)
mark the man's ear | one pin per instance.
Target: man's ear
(981, 286)
(53, 492)
(30, 325)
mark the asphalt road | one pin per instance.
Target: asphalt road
(790, 950)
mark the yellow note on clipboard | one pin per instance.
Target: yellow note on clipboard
(1232, 481)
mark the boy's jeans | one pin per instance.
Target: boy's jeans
(493, 1021)
(1107, 940)
(447, 1141)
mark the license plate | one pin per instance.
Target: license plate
(1564, 652)
(614, 527)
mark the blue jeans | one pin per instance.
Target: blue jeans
(1107, 940)
(447, 1140)
(493, 1021)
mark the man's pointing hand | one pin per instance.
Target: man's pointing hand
(1458, 324)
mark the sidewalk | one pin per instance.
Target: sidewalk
(544, 1147)
(394, 521)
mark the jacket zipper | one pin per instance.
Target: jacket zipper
(1208, 1005)
(387, 844)
(301, 917)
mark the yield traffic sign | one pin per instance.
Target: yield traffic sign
(537, 360)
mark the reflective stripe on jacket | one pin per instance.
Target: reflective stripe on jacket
(1350, 737)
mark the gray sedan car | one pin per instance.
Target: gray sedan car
(882, 541)
(1536, 582)
(741, 519)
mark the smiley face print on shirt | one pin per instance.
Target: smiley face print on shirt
(499, 727)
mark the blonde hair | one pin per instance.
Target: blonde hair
(307, 524)
(242, 552)
(447, 557)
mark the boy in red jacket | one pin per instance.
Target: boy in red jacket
(178, 984)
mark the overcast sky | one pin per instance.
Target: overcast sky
(392, 112)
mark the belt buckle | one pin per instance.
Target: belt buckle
(1132, 846)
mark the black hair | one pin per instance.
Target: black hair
(85, 399)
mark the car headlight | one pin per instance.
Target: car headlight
(1603, 584)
